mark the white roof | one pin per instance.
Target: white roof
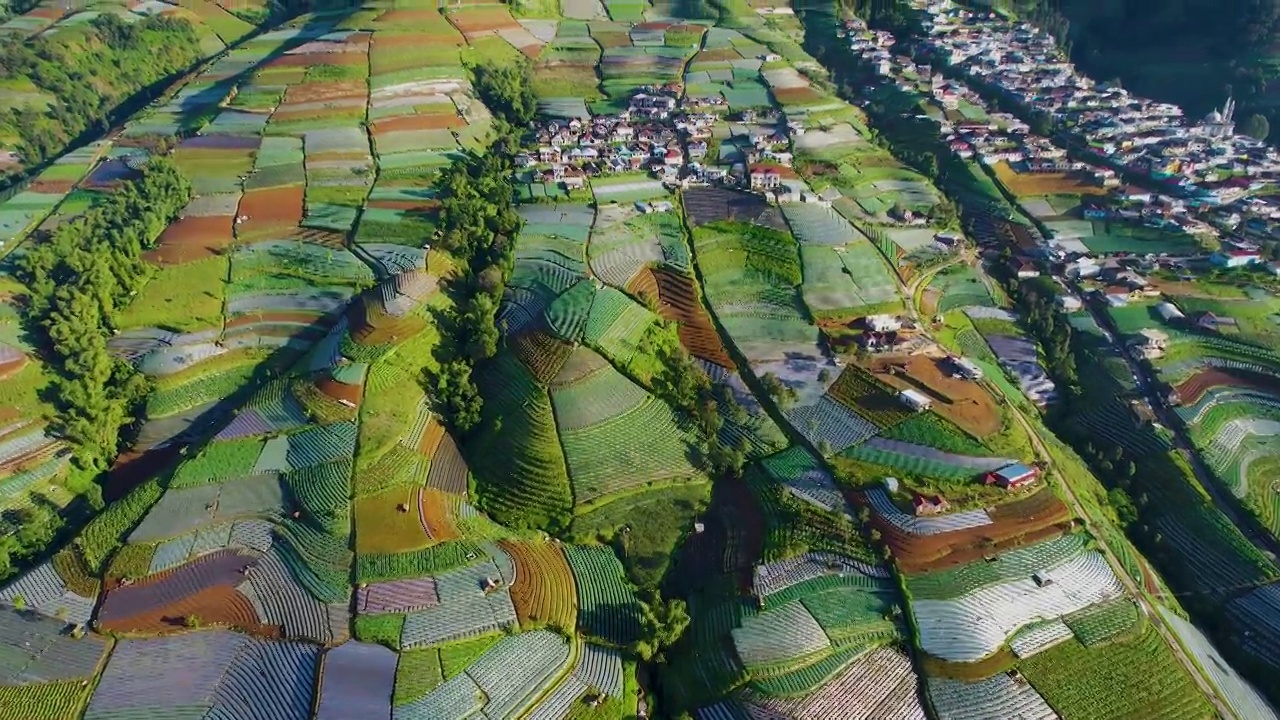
(917, 397)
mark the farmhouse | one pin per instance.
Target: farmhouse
(1070, 303)
(915, 400)
(929, 505)
(1213, 322)
(966, 368)
(882, 323)
(1150, 343)
(1012, 477)
(1169, 312)
(1235, 258)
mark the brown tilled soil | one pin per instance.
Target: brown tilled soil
(437, 519)
(963, 402)
(202, 589)
(1037, 517)
(1194, 387)
(543, 590)
(270, 208)
(478, 20)
(541, 352)
(53, 187)
(796, 95)
(678, 301)
(220, 605)
(192, 238)
(1045, 183)
(718, 55)
(430, 440)
(312, 59)
(315, 236)
(312, 92)
(341, 391)
(432, 121)
(283, 318)
(12, 367)
(371, 325)
(131, 469)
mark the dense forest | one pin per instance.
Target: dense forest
(478, 224)
(88, 74)
(1191, 52)
(80, 277)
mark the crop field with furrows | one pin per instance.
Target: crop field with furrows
(879, 683)
(646, 444)
(1121, 679)
(607, 606)
(991, 614)
(676, 296)
(304, 525)
(519, 465)
(544, 591)
(859, 391)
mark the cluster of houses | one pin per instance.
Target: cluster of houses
(1198, 174)
(1205, 160)
(667, 136)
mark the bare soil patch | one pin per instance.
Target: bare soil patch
(1046, 183)
(1038, 516)
(963, 402)
(192, 238)
(1194, 387)
(434, 121)
(270, 208)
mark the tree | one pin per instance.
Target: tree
(1256, 126)
(457, 395)
(661, 625)
(507, 91)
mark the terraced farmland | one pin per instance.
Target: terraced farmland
(304, 321)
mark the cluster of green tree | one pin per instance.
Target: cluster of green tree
(28, 532)
(685, 386)
(1035, 299)
(478, 225)
(80, 278)
(90, 75)
(507, 90)
(662, 623)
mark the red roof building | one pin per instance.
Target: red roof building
(930, 504)
(1012, 477)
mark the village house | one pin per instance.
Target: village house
(915, 400)
(1149, 344)
(1012, 477)
(1213, 322)
(765, 179)
(965, 367)
(929, 505)
(1235, 258)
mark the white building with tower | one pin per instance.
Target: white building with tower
(1221, 123)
